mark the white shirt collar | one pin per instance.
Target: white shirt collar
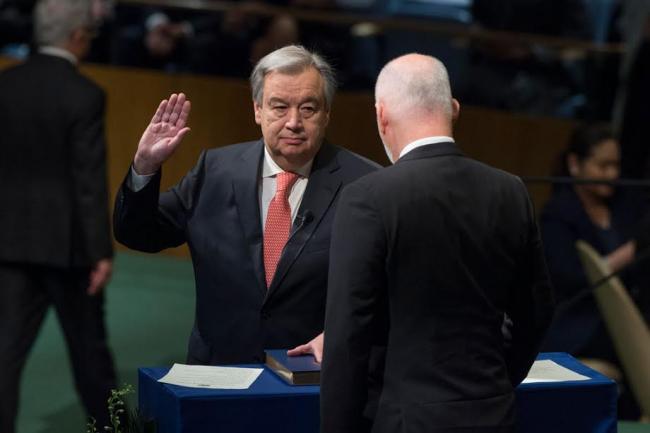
(424, 141)
(58, 52)
(270, 168)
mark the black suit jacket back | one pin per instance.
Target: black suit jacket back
(443, 247)
(52, 166)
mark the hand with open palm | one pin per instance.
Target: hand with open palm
(163, 135)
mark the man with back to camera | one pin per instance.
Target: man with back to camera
(55, 246)
(428, 256)
(256, 216)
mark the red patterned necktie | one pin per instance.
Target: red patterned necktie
(278, 223)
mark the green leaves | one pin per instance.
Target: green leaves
(116, 412)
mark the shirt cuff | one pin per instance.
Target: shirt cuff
(136, 181)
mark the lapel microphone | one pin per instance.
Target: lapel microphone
(301, 220)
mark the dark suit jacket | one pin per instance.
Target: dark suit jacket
(215, 209)
(429, 255)
(52, 166)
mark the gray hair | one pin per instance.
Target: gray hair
(290, 60)
(55, 20)
(415, 82)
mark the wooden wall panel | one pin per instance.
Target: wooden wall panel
(222, 113)
(522, 145)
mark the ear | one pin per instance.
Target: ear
(455, 109)
(78, 43)
(258, 113)
(573, 164)
(382, 118)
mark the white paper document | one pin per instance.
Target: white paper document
(550, 371)
(205, 376)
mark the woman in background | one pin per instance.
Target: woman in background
(607, 219)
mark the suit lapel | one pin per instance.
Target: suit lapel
(246, 190)
(319, 195)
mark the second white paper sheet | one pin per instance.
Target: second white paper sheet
(550, 371)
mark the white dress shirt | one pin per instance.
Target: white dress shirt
(424, 141)
(58, 52)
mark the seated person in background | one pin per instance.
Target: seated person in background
(606, 218)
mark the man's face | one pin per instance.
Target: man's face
(293, 116)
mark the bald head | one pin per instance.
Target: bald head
(413, 100)
(415, 84)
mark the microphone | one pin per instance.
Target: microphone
(301, 221)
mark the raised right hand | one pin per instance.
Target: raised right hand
(162, 136)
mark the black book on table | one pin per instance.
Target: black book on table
(295, 370)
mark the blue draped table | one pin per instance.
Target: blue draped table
(271, 406)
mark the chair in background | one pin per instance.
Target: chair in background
(626, 325)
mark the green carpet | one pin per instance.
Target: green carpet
(633, 427)
(150, 308)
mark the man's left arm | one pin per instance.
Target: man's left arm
(89, 181)
(356, 285)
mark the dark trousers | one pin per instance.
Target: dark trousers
(26, 292)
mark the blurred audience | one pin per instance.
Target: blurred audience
(15, 20)
(505, 73)
(15, 26)
(226, 43)
(153, 38)
(105, 20)
(516, 75)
